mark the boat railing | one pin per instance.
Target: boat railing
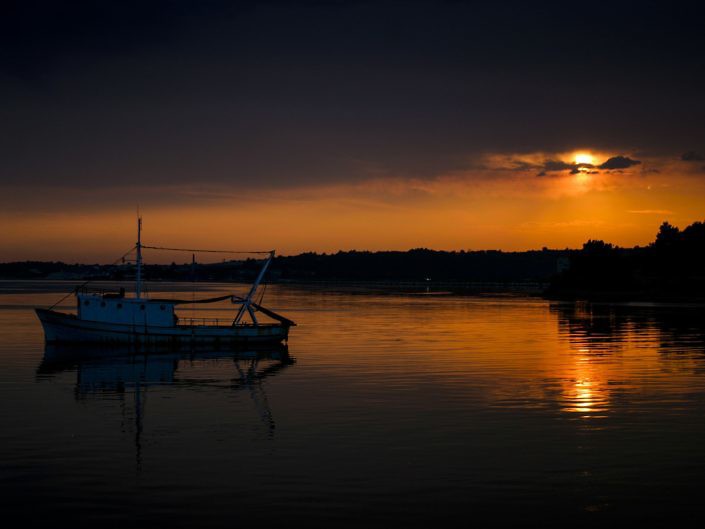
(215, 322)
(200, 322)
(102, 292)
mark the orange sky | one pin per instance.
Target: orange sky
(321, 126)
(497, 205)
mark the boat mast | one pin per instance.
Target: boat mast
(138, 246)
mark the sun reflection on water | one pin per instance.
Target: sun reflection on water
(586, 391)
(593, 361)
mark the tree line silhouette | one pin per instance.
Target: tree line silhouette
(672, 266)
(418, 265)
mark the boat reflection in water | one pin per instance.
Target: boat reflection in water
(107, 373)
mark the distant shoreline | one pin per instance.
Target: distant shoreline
(434, 288)
(672, 268)
(530, 289)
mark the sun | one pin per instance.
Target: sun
(584, 157)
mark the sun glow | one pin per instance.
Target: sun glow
(583, 157)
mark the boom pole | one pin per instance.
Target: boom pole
(247, 302)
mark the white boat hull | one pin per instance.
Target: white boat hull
(66, 328)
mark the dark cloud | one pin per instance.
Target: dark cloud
(618, 162)
(521, 166)
(583, 168)
(556, 165)
(258, 94)
(692, 156)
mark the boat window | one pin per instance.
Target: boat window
(141, 307)
(162, 307)
(119, 305)
(86, 302)
(102, 303)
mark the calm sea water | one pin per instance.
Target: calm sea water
(389, 410)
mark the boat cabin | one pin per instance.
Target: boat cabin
(113, 308)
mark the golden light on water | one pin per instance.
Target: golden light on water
(584, 398)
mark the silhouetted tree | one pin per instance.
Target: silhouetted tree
(597, 247)
(667, 235)
(673, 266)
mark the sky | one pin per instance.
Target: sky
(331, 125)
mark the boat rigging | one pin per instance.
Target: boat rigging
(115, 317)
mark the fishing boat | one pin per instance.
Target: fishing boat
(114, 317)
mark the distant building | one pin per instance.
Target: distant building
(562, 264)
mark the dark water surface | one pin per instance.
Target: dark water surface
(390, 410)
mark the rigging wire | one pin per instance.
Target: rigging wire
(122, 257)
(264, 289)
(76, 289)
(207, 251)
